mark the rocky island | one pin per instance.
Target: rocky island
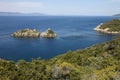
(110, 27)
(49, 33)
(26, 33)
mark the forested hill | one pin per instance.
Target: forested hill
(113, 25)
(98, 62)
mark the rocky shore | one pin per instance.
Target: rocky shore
(29, 33)
(26, 33)
(49, 33)
(106, 30)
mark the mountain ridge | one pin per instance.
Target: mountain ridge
(116, 15)
(20, 14)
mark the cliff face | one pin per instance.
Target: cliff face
(26, 33)
(48, 33)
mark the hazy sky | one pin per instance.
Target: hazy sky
(62, 7)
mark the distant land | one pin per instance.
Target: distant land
(20, 14)
(116, 15)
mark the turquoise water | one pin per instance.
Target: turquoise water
(75, 32)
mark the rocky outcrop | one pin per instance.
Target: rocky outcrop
(106, 30)
(48, 34)
(26, 33)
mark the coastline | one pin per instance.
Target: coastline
(106, 30)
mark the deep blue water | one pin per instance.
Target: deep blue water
(73, 33)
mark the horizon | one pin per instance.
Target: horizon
(40, 14)
(61, 7)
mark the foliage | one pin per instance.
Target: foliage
(99, 62)
(113, 25)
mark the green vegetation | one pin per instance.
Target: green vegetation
(113, 25)
(50, 32)
(99, 62)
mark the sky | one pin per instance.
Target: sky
(62, 7)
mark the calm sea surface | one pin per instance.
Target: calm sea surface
(73, 33)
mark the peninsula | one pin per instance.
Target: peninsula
(110, 27)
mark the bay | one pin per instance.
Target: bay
(74, 32)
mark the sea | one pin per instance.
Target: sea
(73, 33)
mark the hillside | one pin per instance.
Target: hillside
(113, 25)
(98, 62)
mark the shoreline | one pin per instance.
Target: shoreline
(105, 30)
